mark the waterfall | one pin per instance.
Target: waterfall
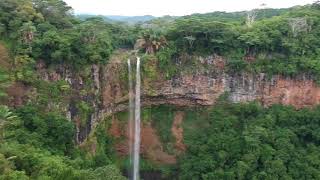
(134, 123)
(130, 120)
(136, 147)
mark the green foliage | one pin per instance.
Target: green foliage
(279, 42)
(4, 82)
(5, 117)
(56, 12)
(24, 68)
(149, 67)
(87, 43)
(151, 41)
(225, 142)
(37, 163)
(202, 35)
(165, 60)
(6, 114)
(40, 145)
(46, 30)
(247, 141)
(162, 119)
(236, 66)
(53, 93)
(54, 131)
(278, 65)
(84, 110)
(105, 142)
(16, 12)
(108, 173)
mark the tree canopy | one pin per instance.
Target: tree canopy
(247, 141)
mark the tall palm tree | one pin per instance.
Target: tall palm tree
(151, 42)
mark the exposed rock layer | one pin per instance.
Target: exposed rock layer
(190, 90)
(204, 89)
(110, 95)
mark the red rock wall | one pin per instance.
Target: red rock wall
(298, 93)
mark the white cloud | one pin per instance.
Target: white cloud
(172, 7)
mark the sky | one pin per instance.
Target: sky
(172, 7)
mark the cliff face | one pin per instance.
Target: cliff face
(199, 89)
(298, 92)
(205, 89)
(104, 89)
(83, 88)
(107, 89)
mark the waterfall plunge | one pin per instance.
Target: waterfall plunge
(131, 120)
(134, 124)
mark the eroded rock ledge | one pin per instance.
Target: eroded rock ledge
(190, 90)
(109, 89)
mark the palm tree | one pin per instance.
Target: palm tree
(27, 32)
(4, 82)
(5, 116)
(151, 42)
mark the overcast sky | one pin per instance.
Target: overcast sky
(172, 7)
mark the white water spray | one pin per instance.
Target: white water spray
(130, 120)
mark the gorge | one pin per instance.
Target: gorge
(204, 96)
(199, 89)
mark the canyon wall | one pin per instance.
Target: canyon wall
(107, 89)
(104, 89)
(205, 88)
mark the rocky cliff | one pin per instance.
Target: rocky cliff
(104, 88)
(92, 94)
(204, 88)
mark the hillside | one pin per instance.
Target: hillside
(125, 19)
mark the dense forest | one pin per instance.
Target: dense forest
(226, 141)
(243, 141)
